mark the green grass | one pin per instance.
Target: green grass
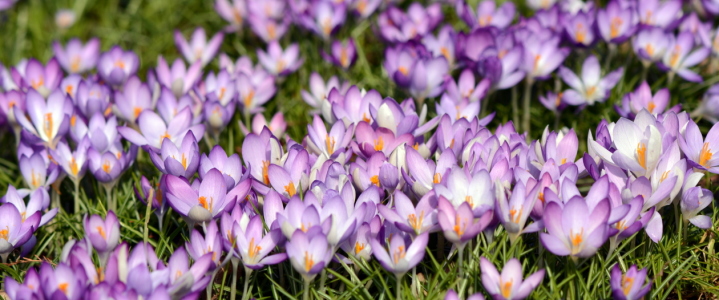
(680, 268)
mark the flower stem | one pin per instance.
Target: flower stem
(306, 294)
(398, 290)
(527, 105)
(461, 261)
(209, 286)
(515, 106)
(246, 295)
(77, 195)
(323, 280)
(233, 285)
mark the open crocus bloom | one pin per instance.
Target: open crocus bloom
(510, 283)
(701, 152)
(49, 119)
(15, 228)
(591, 87)
(575, 230)
(76, 57)
(153, 129)
(199, 48)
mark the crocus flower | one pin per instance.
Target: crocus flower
(153, 129)
(309, 253)
(542, 57)
(290, 178)
(76, 57)
(258, 152)
(61, 282)
(365, 8)
(681, 55)
(407, 217)
(513, 213)
(204, 202)
(553, 102)
(277, 125)
(65, 18)
(8, 101)
(74, 163)
(575, 230)
(255, 89)
(580, 28)
(179, 161)
(342, 54)
(253, 245)
(44, 79)
(325, 142)
(108, 166)
(157, 202)
(134, 98)
(209, 244)
(49, 119)
(442, 44)
(708, 108)
(693, 201)
(398, 26)
(270, 30)
(638, 147)
(229, 166)
(324, 18)
(36, 171)
(631, 285)
(116, 65)
(199, 48)
(104, 235)
(30, 286)
(510, 283)
(488, 14)
(319, 91)
(38, 202)
(92, 97)
(459, 225)
(700, 152)
(591, 87)
(541, 4)
(452, 295)
(178, 78)
(401, 256)
(659, 14)
(16, 229)
(354, 106)
(616, 23)
(280, 62)
(233, 11)
(642, 98)
(650, 44)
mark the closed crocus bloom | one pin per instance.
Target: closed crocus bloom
(104, 235)
(76, 57)
(591, 87)
(233, 11)
(153, 129)
(700, 152)
(324, 18)
(61, 282)
(580, 28)
(179, 161)
(487, 14)
(43, 79)
(258, 152)
(134, 98)
(693, 201)
(229, 166)
(16, 229)
(309, 253)
(642, 98)
(616, 23)
(49, 119)
(651, 43)
(459, 225)
(92, 97)
(280, 62)
(681, 55)
(513, 213)
(199, 48)
(116, 65)
(210, 243)
(558, 146)
(108, 166)
(8, 101)
(30, 288)
(277, 125)
(575, 230)
(319, 90)
(630, 285)
(36, 171)
(510, 283)
(270, 30)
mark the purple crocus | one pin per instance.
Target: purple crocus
(74, 163)
(233, 11)
(325, 142)
(510, 283)
(693, 201)
(205, 201)
(513, 213)
(134, 98)
(452, 295)
(488, 14)
(659, 14)
(407, 217)
(631, 285)
(61, 282)
(270, 30)
(459, 225)
(153, 129)
(342, 53)
(575, 230)
(76, 57)
(199, 48)
(44, 79)
(280, 62)
(650, 44)
(641, 99)
(229, 166)
(108, 166)
(617, 22)
(116, 65)
(681, 55)
(37, 171)
(209, 244)
(401, 255)
(38, 202)
(591, 87)
(542, 57)
(49, 119)
(179, 161)
(442, 44)
(253, 245)
(398, 26)
(708, 108)
(700, 152)
(179, 78)
(92, 97)
(8, 101)
(324, 18)
(580, 28)
(277, 125)
(16, 229)
(103, 234)
(309, 253)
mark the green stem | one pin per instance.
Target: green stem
(306, 294)
(323, 280)
(208, 292)
(148, 212)
(461, 261)
(245, 294)
(527, 102)
(515, 106)
(77, 195)
(398, 290)
(233, 285)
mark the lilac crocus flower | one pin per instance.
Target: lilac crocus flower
(452, 295)
(309, 253)
(49, 119)
(591, 87)
(651, 43)
(179, 161)
(398, 26)
(255, 89)
(510, 283)
(488, 14)
(631, 285)
(575, 230)
(76, 57)
(580, 28)
(401, 256)
(209, 244)
(342, 54)
(134, 98)
(355, 106)
(280, 62)
(270, 30)
(39, 202)
(641, 99)
(16, 229)
(277, 125)
(708, 108)
(290, 178)
(319, 91)
(30, 286)
(178, 78)
(681, 55)
(637, 147)
(407, 217)
(700, 152)
(116, 65)
(253, 245)
(617, 22)
(104, 235)
(465, 88)
(61, 282)
(74, 163)
(108, 166)
(199, 48)
(325, 142)
(92, 97)
(44, 79)
(660, 14)
(157, 203)
(229, 166)
(324, 18)
(37, 171)
(442, 44)
(205, 201)
(234, 12)
(542, 57)
(459, 225)
(153, 129)
(8, 101)
(693, 201)
(513, 213)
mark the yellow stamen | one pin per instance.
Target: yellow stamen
(537, 58)
(507, 289)
(398, 254)
(576, 240)
(664, 176)
(705, 155)
(650, 49)
(253, 249)
(485, 20)
(359, 247)
(290, 189)
(38, 83)
(75, 64)
(101, 231)
(365, 118)
(265, 172)
(403, 70)
(580, 34)
(203, 202)
(514, 215)
(627, 283)
(120, 64)
(459, 226)
(248, 98)
(63, 287)
(271, 30)
(469, 200)
(563, 161)
(642, 155)
(437, 178)
(445, 53)
(374, 180)
(136, 111)
(48, 126)
(34, 178)
(164, 136)
(68, 89)
(5, 233)
(651, 106)
(614, 27)
(674, 59)
(330, 144)
(379, 144)
(415, 222)
(590, 91)
(184, 161)
(309, 262)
